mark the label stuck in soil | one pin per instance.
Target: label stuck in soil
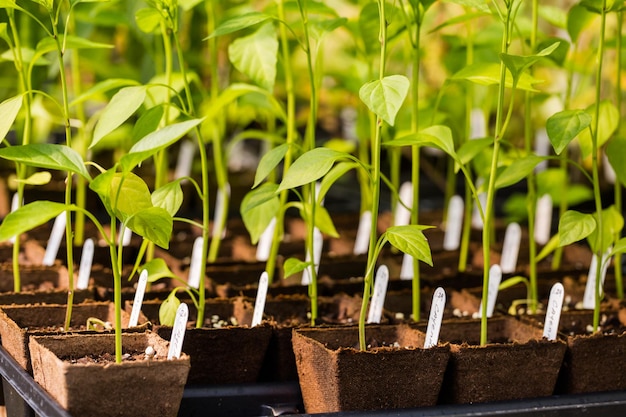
(318, 243)
(543, 222)
(402, 214)
(454, 223)
(378, 297)
(264, 246)
(510, 248)
(434, 320)
(495, 277)
(259, 303)
(193, 280)
(14, 201)
(138, 300)
(219, 215)
(86, 260)
(478, 124)
(58, 230)
(362, 240)
(406, 271)
(125, 235)
(178, 332)
(185, 158)
(553, 314)
(589, 298)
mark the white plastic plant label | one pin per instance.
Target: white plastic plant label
(125, 235)
(318, 242)
(609, 172)
(435, 317)
(138, 300)
(542, 148)
(553, 314)
(510, 248)
(543, 221)
(86, 260)
(185, 159)
(406, 270)
(402, 214)
(495, 277)
(477, 220)
(478, 124)
(259, 303)
(589, 298)
(362, 240)
(264, 246)
(14, 206)
(193, 280)
(219, 215)
(178, 332)
(377, 302)
(52, 249)
(454, 223)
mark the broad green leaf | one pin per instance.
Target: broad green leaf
(332, 176)
(157, 268)
(517, 64)
(128, 195)
(187, 5)
(9, 109)
(437, 136)
(238, 90)
(258, 208)
(578, 19)
(481, 5)
(169, 197)
(489, 74)
(28, 217)
(385, 97)
(48, 44)
(167, 311)
(410, 240)
(575, 226)
(268, 162)
(38, 178)
(612, 223)
(564, 126)
(321, 27)
(155, 141)
(238, 23)
(9, 4)
(122, 105)
(28, 55)
(48, 156)
(616, 152)
(324, 222)
(470, 149)
(154, 224)
(369, 27)
(147, 123)
(556, 16)
(609, 119)
(519, 169)
(310, 167)
(619, 247)
(293, 266)
(148, 19)
(457, 20)
(549, 247)
(256, 56)
(103, 87)
(101, 185)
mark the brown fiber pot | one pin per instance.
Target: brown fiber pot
(335, 376)
(141, 388)
(517, 362)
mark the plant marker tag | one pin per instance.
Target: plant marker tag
(125, 235)
(362, 240)
(185, 158)
(178, 332)
(543, 222)
(609, 172)
(193, 280)
(402, 215)
(84, 270)
(139, 293)
(378, 297)
(259, 303)
(219, 214)
(542, 148)
(318, 242)
(510, 248)
(495, 277)
(553, 315)
(264, 246)
(478, 125)
(58, 230)
(454, 223)
(589, 298)
(434, 320)
(14, 201)
(477, 220)
(406, 271)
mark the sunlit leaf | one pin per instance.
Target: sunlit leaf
(152, 223)
(607, 124)
(564, 126)
(148, 19)
(575, 226)
(38, 178)
(9, 110)
(258, 208)
(157, 269)
(169, 197)
(256, 55)
(519, 169)
(616, 152)
(48, 156)
(167, 311)
(121, 107)
(410, 240)
(293, 266)
(29, 216)
(385, 97)
(268, 162)
(310, 167)
(612, 223)
(239, 23)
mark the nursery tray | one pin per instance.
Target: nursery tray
(25, 398)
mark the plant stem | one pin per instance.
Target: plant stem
(117, 290)
(617, 264)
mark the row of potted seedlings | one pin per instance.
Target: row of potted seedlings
(295, 175)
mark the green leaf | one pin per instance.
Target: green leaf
(385, 97)
(154, 224)
(48, 156)
(470, 149)
(48, 44)
(564, 126)
(101, 185)
(310, 167)
(489, 74)
(103, 87)
(237, 90)
(481, 5)
(575, 226)
(29, 216)
(369, 27)
(268, 162)
(437, 136)
(258, 208)
(619, 247)
(147, 123)
(167, 311)
(9, 110)
(612, 223)
(122, 105)
(148, 19)
(616, 152)
(324, 222)
(38, 178)
(293, 266)
(155, 141)
(157, 269)
(517, 64)
(609, 119)
(238, 23)
(128, 195)
(549, 247)
(333, 175)
(578, 19)
(519, 169)
(168, 197)
(256, 56)
(410, 240)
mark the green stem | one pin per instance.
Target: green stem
(619, 286)
(117, 290)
